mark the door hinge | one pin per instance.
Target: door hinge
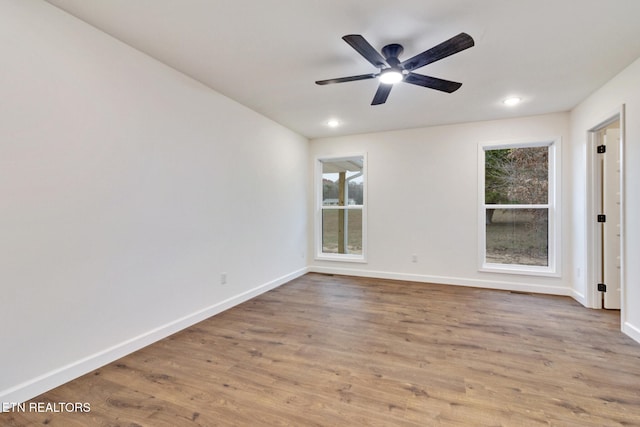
(602, 218)
(602, 287)
(601, 149)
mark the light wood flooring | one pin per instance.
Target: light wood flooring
(340, 351)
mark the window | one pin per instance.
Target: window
(340, 216)
(518, 207)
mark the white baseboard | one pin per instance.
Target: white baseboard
(444, 280)
(579, 297)
(41, 384)
(632, 331)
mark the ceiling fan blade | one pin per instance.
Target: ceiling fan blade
(432, 82)
(363, 47)
(381, 94)
(347, 79)
(454, 45)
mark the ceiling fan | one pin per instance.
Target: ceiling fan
(391, 70)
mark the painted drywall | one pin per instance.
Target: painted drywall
(602, 104)
(423, 199)
(126, 190)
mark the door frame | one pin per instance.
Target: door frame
(593, 232)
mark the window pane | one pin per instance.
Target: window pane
(517, 176)
(342, 182)
(517, 236)
(342, 231)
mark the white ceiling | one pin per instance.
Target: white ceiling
(267, 54)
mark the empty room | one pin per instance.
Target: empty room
(319, 213)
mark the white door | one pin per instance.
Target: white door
(611, 208)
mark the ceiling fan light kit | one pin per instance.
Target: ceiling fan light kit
(391, 70)
(391, 76)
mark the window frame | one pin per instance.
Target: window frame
(552, 205)
(320, 208)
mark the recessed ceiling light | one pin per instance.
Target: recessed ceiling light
(512, 101)
(333, 123)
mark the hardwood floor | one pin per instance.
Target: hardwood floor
(340, 351)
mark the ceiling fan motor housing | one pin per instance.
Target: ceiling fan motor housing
(391, 52)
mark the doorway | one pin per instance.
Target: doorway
(607, 213)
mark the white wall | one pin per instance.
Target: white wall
(126, 189)
(623, 89)
(440, 225)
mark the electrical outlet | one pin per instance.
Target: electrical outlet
(223, 278)
(414, 258)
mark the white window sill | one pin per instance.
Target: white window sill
(341, 258)
(526, 270)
